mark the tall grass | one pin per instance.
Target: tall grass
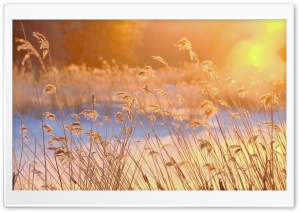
(204, 134)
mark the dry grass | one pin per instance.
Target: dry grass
(213, 138)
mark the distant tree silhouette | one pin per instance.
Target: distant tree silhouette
(84, 41)
(92, 41)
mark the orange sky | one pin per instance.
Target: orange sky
(236, 46)
(239, 45)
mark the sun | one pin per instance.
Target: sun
(263, 51)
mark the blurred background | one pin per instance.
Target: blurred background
(97, 56)
(257, 43)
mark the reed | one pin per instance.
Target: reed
(208, 137)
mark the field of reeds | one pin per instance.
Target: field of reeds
(121, 128)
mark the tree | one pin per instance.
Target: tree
(87, 41)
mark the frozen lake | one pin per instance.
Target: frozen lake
(114, 128)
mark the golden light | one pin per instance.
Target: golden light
(263, 51)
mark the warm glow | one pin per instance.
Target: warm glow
(150, 105)
(263, 51)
